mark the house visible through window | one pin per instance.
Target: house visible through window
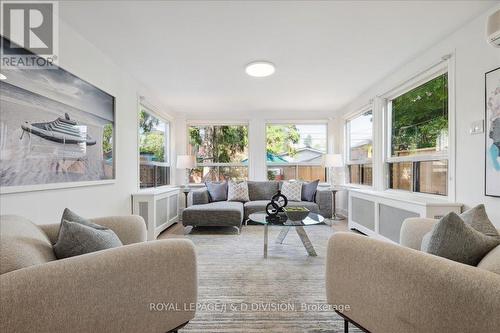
(359, 139)
(221, 152)
(295, 151)
(154, 166)
(418, 158)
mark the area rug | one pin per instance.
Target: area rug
(240, 291)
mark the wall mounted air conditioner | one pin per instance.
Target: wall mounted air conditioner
(493, 29)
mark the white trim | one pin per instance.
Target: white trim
(230, 164)
(54, 186)
(297, 122)
(445, 65)
(195, 122)
(420, 77)
(418, 158)
(142, 103)
(347, 118)
(354, 114)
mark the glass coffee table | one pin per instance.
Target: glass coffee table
(283, 221)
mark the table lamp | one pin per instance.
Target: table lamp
(186, 162)
(333, 161)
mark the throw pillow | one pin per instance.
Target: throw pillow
(292, 191)
(453, 239)
(237, 191)
(309, 191)
(82, 236)
(478, 219)
(217, 191)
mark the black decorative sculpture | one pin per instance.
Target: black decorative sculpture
(278, 202)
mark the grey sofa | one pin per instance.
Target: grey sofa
(203, 212)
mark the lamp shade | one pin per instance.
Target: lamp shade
(333, 161)
(186, 161)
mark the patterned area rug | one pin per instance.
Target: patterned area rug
(240, 291)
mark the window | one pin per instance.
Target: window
(154, 166)
(359, 132)
(295, 151)
(221, 152)
(418, 143)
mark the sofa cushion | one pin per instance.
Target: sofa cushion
(478, 219)
(292, 190)
(221, 213)
(453, 239)
(260, 205)
(262, 190)
(22, 244)
(309, 190)
(237, 191)
(77, 238)
(491, 262)
(217, 191)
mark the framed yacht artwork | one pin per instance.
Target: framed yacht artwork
(492, 133)
(56, 130)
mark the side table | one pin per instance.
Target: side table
(335, 216)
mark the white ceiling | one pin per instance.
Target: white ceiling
(193, 54)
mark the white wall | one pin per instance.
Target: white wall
(81, 58)
(473, 57)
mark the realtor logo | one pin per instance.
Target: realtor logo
(29, 31)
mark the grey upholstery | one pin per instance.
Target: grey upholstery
(324, 201)
(262, 190)
(199, 197)
(260, 205)
(221, 213)
(202, 212)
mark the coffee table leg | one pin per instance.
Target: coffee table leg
(265, 240)
(305, 240)
(282, 235)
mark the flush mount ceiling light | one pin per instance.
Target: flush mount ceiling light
(260, 68)
(3, 77)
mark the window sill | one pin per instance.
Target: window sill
(416, 198)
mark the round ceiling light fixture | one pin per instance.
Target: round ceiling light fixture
(3, 77)
(260, 68)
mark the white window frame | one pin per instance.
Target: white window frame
(298, 164)
(347, 146)
(143, 105)
(219, 123)
(445, 65)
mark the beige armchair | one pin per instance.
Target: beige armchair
(398, 289)
(115, 290)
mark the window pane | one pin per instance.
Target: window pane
(219, 144)
(218, 173)
(291, 143)
(153, 175)
(355, 174)
(360, 174)
(297, 172)
(281, 172)
(360, 132)
(420, 119)
(367, 174)
(153, 151)
(432, 177)
(400, 175)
